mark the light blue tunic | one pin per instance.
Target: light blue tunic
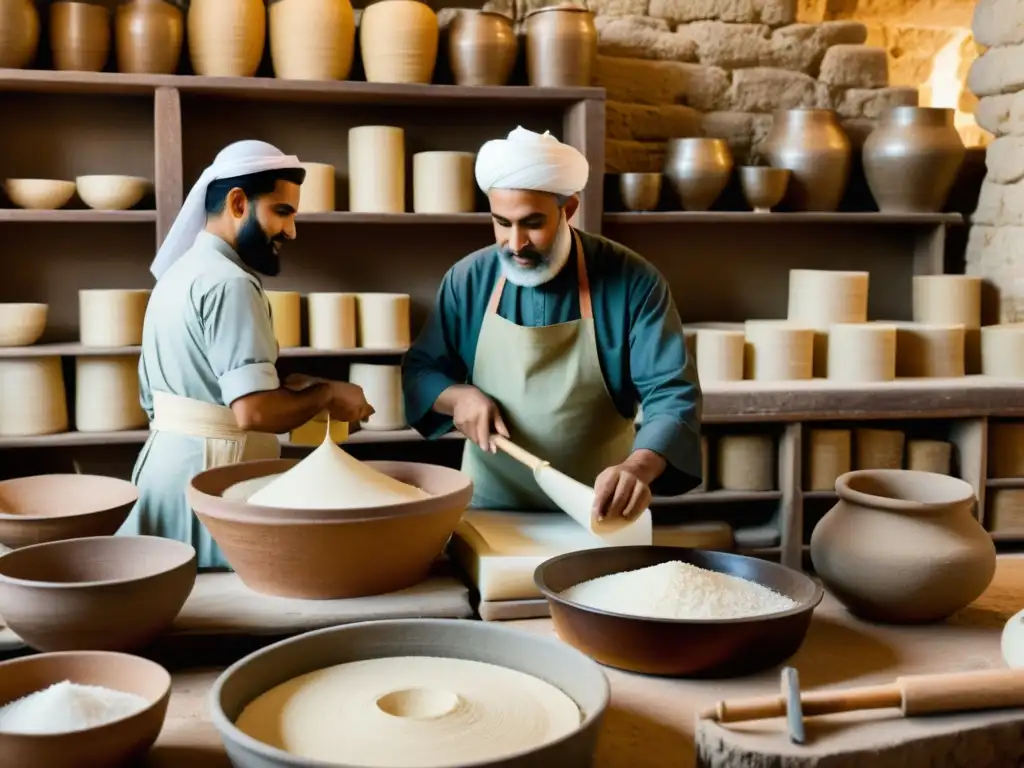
(207, 336)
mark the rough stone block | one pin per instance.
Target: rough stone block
(855, 66)
(642, 37)
(761, 89)
(1000, 205)
(857, 130)
(661, 82)
(743, 131)
(648, 122)
(775, 13)
(618, 7)
(872, 102)
(998, 22)
(732, 46)
(1001, 115)
(996, 254)
(801, 47)
(1004, 160)
(998, 70)
(633, 156)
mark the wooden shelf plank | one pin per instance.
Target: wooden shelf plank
(66, 216)
(715, 497)
(1005, 482)
(348, 217)
(73, 349)
(749, 217)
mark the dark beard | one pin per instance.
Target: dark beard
(256, 250)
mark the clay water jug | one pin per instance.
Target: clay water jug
(903, 546)
(912, 159)
(312, 39)
(226, 37)
(19, 33)
(482, 48)
(149, 35)
(561, 46)
(812, 145)
(79, 36)
(398, 40)
(699, 169)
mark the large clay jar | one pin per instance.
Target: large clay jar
(812, 145)
(903, 546)
(312, 39)
(79, 36)
(482, 48)
(19, 33)
(912, 159)
(226, 37)
(149, 35)
(561, 46)
(699, 169)
(398, 41)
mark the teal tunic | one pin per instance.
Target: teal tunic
(207, 336)
(641, 347)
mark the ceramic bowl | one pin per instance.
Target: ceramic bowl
(42, 508)
(22, 324)
(112, 193)
(331, 554)
(107, 593)
(556, 663)
(670, 647)
(39, 194)
(112, 744)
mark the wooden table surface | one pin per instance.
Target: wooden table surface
(650, 723)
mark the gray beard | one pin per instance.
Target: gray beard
(557, 257)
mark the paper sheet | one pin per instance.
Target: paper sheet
(576, 500)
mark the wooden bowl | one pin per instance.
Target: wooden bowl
(678, 648)
(39, 194)
(329, 554)
(107, 745)
(42, 508)
(112, 193)
(107, 593)
(490, 642)
(22, 324)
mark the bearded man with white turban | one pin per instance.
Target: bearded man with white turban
(552, 337)
(207, 372)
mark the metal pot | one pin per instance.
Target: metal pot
(699, 170)
(561, 46)
(149, 36)
(19, 33)
(812, 145)
(482, 48)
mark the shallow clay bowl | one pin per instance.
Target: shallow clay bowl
(39, 194)
(22, 324)
(43, 508)
(556, 663)
(678, 648)
(111, 193)
(331, 554)
(109, 593)
(107, 745)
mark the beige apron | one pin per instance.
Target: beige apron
(554, 400)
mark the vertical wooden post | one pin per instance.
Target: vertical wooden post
(583, 128)
(970, 437)
(930, 250)
(791, 508)
(169, 159)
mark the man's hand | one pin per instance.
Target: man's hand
(348, 402)
(475, 414)
(620, 491)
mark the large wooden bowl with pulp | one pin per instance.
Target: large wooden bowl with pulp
(331, 554)
(114, 743)
(43, 508)
(677, 647)
(107, 593)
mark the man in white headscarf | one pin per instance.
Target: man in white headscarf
(207, 372)
(553, 337)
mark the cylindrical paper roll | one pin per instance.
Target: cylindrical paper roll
(32, 399)
(828, 457)
(442, 182)
(719, 355)
(879, 449)
(382, 385)
(1006, 510)
(821, 298)
(933, 351)
(107, 394)
(930, 456)
(317, 191)
(778, 350)
(952, 300)
(111, 318)
(1002, 351)
(383, 320)
(746, 462)
(862, 352)
(286, 314)
(1006, 449)
(332, 321)
(376, 169)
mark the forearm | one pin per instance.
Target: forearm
(445, 402)
(646, 464)
(280, 410)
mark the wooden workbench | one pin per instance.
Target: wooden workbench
(650, 723)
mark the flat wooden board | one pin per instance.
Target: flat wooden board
(512, 610)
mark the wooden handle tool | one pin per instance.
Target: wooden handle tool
(521, 455)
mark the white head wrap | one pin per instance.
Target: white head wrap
(528, 160)
(239, 159)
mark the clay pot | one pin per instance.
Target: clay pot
(398, 41)
(561, 46)
(763, 187)
(902, 546)
(148, 36)
(19, 33)
(640, 191)
(226, 37)
(699, 169)
(312, 39)
(79, 36)
(812, 145)
(912, 159)
(482, 48)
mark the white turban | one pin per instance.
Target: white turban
(528, 160)
(242, 158)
